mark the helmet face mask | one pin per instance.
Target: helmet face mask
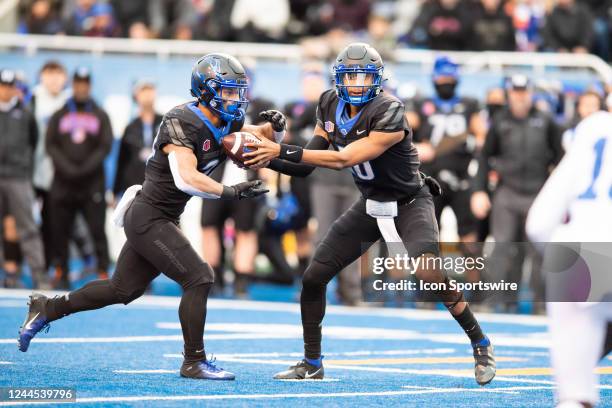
(358, 74)
(228, 100)
(219, 82)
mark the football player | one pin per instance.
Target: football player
(369, 133)
(575, 206)
(447, 131)
(186, 149)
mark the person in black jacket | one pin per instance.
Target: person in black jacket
(18, 137)
(569, 28)
(493, 28)
(522, 145)
(137, 139)
(79, 137)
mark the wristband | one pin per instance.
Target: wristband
(291, 153)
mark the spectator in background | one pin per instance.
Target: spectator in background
(350, 15)
(601, 10)
(527, 17)
(569, 28)
(521, 145)
(379, 34)
(79, 137)
(48, 97)
(588, 103)
(17, 143)
(132, 17)
(260, 21)
(216, 24)
(493, 29)
(172, 18)
(447, 25)
(40, 18)
(137, 139)
(92, 18)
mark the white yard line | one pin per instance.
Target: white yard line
(417, 391)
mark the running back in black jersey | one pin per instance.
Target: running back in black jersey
(446, 125)
(184, 125)
(394, 174)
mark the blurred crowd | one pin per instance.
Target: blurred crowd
(576, 26)
(491, 156)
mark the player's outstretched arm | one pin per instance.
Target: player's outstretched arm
(183, 165)
(362, 150)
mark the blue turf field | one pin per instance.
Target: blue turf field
(129, 355)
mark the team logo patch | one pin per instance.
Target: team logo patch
(329, 126)
(206, 145)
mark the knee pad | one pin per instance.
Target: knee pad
(201, 275)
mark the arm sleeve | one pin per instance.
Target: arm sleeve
(389, 118)
(106, 141)
(172, 131)
(300, 169)
(61, 163)
(488, 150)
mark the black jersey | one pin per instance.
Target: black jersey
(395, 173)
(184, 125)
(445, 124)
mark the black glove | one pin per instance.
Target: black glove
(248, 189)
(276, 118)
(434, 187)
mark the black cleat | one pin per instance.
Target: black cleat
(484, 367)
(35, 321)
(301, 371)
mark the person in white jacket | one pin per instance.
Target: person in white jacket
(575, 206)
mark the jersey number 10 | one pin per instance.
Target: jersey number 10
(590, 193)
(362, 171)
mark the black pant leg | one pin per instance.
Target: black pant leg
(94, 211)
(349, 237)
(63, 207)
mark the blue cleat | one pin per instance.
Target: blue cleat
(484, 367)
(35, 321)
(205, 370)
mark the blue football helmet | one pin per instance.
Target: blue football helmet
(220, 83)
(358, 66)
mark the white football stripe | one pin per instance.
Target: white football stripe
(237, 143)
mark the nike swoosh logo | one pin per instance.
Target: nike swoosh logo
(310, 375)
(291, 151)
(359, 132)
(29, 324)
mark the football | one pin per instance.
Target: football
(234, 145)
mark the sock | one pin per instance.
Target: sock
(314, 361)
(93, 295)
(312, 302)
(468, 323)
(192, 314)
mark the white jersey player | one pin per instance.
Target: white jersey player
(575, 205)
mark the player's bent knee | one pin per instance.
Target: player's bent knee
(318, 274)
(202, 275)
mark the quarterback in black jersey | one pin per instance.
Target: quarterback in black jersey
(186, 149)
(369, 133)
